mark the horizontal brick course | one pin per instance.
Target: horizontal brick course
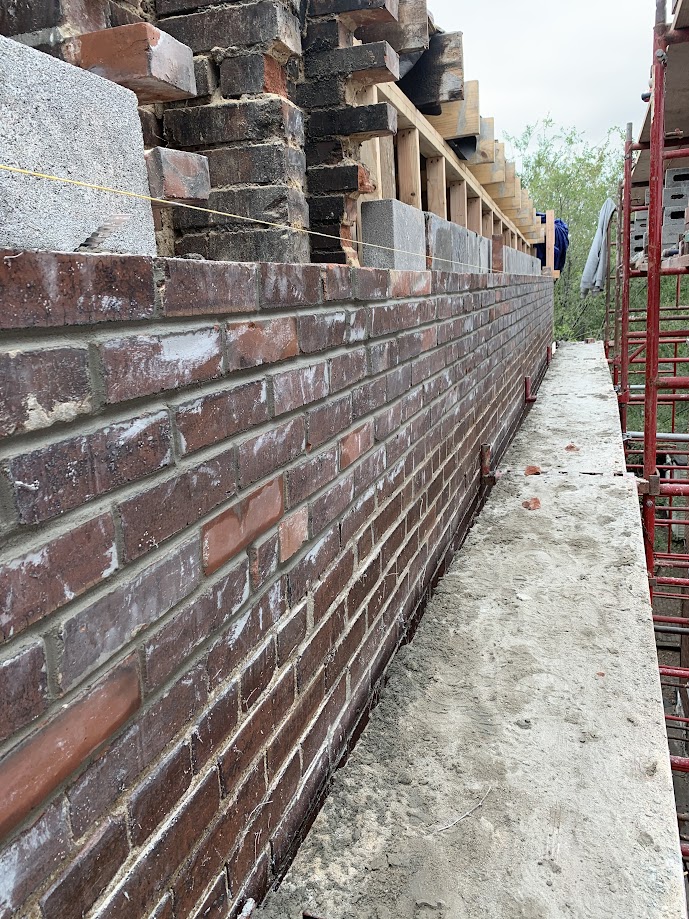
(261, 615)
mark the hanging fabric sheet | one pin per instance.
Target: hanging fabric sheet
(593, 278)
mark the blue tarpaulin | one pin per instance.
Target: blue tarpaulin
(561, 244)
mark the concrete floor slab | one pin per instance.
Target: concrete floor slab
(517, 763)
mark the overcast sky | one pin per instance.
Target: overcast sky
(585, 62)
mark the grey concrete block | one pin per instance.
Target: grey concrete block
(485, 254)
(516, 262)
(677, 196)
(61, 120)
(398, 227)
(450, 247)
(678, 176)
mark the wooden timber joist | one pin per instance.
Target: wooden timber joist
(460, 119)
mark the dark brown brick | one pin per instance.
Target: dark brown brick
(42, 388)
(262, 455)
(54, 479)
(291, 633)
(23, 688)
(158, 795)
(194, 288)
(371, 284)
(142, 365)
(297, 387)
(331, 504)
(264, 558)
(328, 420)
(100, 630)
(33, 856)
(257, 675)
(286, 740)
(332, 584)
(312, 475)
(337, 281)
(255, 120)
(256, 164)
(314, 563)
(29, 588)
(322, 331)
(290, 285)
(216, 417)
(347, 369)
(150, 518)
(57, 289)
(33, 770)
(250, 344)
(216, 725)
(148, 877)
(99, 860)
(316, 736)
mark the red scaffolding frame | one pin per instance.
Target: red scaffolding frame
(646, 350)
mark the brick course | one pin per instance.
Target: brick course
(201, 588)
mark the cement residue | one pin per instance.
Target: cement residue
(531, 686)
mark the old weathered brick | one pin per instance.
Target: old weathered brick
(148, 876)
(347, 369)
(331, 504)
(357, 12)
(263, 559)
(255, 120)
(263, 23)
(262, 455)
(23, 688)
(101, 629)
(355, 444)
(250, 344)
(289, 285)
(236, 527)
(145, 364)
(54, 479)
(368, 397)
(213, 418)
(29, 588)
(257, 675)
(98, 861)
(33, 770)
(295, 388)
(155, 515)
(291, 633)
(235, 207)
(360, 122)
(33, 856)
(253, 74)
(328, 420)
(194, 288)
(216, 903)
(311, 475)
(188, 629)
(159, 793)
(42, 388)
(177, 175)
(337, 282)
(256, 164)
(217, 724)
(294, 531)
(322, 331)
(317, 734)
(56, 289)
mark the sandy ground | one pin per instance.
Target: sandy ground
(531, 686)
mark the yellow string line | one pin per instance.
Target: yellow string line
(207, 210)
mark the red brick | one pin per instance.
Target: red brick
(159, 793)
(194, 288)
(355, 444)
(291, 633)
(216, 725)
(322, 331)
(243, 636)
(250, 344)
(32, 857)
(43, 387)
(368, 397)
(359, 514)
(312, 475)
(331, 504)
(217, 902)
(257, 675)
(369, 470)
(176, 175)
(29, 588)
(54, 479)
(347, 369)
(99, 860)
(93, 634)
(262, 455)
(314, 563)
(32, 771)
(207, 420)
(150, 63)
(23, 688)
(148, 877)
(289, 285)
(141, 365)
(328, 420)
(332, 584)
(188, 629)
(294, 531)
(236, 527)
(389, 319)
(150, 518)
(51, 289)
(256, 730)
(410, 283)
(295, 388)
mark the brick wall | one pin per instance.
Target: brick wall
(226, 490)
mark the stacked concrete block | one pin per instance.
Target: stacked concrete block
(675, 202)
(74, 141)
(393, 235)
(638, 237)
(516, 262)
(450, 247)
